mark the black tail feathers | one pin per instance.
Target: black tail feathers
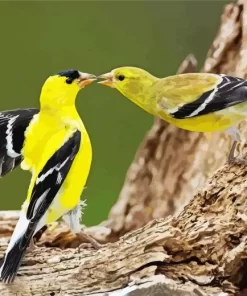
(11, 263)
(13, 258)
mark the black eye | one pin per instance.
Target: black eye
(70, 75)
(69, 80)
(121, 77)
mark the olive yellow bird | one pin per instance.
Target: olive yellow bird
(197, 102)
(53, 144)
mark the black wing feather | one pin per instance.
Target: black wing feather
(231, 91)
(58, 166)
(13, 123)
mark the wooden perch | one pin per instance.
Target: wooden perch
(200, 251)
(205, 247)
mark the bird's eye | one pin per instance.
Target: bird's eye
(121, 77)
(69, 80)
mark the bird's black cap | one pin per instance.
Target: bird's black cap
(70, 74)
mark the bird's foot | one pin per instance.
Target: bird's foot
(237, 160)
(91, 240)
(85, 246)
(233, 159)
(32, 246)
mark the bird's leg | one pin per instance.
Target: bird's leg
(31, 246)
(234, 159)
(234, 133)
(90, 239)
(72, 218)
(231, 157)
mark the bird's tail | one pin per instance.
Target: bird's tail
(16, 250)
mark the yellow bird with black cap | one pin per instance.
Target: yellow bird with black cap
(53, 144)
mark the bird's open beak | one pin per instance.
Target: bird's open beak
(109, 79)
(85, 79)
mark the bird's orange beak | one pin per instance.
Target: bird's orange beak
(85, 79)
(109, 79)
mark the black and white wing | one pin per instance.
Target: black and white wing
(46, 186)
(229, 92)
(13, 124)
(52, 176)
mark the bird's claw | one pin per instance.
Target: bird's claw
(237, 160)
(233, 159)
(84, 246)
(32, 246)
(92, 242)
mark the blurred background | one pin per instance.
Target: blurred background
(41, 38)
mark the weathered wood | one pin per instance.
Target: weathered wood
(205, 245)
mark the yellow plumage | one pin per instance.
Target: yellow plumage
(176, 91)
(206, 123)
(162, 96)
(53, 131)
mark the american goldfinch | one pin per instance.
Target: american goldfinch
(53, 144)
(197, 101)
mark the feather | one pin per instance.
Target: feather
(57, 167)
(13, 124)
(231, 91)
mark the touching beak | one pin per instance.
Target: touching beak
(85, 79)
(109, 79)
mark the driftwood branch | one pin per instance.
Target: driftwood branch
(205, 247)
(200, 250)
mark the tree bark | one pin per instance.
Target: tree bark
(200, 250)
(203, 251)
